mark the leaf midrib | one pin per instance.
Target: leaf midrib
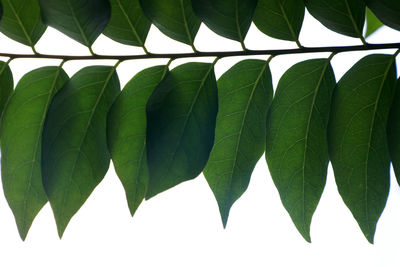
(70, 180)
(77, 23)
(241, 130)
(20, 23)
(39, 137)
(370, 137)
(131, 26)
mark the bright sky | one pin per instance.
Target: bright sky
(182, 226)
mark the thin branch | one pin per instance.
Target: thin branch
(219, 54)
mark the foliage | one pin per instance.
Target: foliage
(58, 133)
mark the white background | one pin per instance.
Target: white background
(182, 226)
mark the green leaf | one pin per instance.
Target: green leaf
(175, 18)
(388, 11)
(228, 18)
(357, 138)
(75, 154)
(343, 16)
(21, 136)
(81, 20)
(297, 147)
(181, 116)
(280, 19)
(6, 84)
(128, 24)
(21, 21)
(245, 93)
(394, 133)
(373, 23)
(126, 129)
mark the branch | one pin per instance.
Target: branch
(219, 54)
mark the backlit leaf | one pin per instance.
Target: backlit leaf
(244, 93)
(75, 154)
(21, 21)
(357, 138)
(128, 24)
(126, 129)
(279, 18)
(21, 135)
(175, 18)
(297, 147)
(181, 116)
(343, 16)
(388, 11)
(373, 23)
(81, 20)
(228, 18)
(394, 133)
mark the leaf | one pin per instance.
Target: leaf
(126, 128)
(342, 16)
(280, 19)
(394, 132)
(128, 24)
(75, 154)
(21, 21)
(357, 138)
(297, 147)
(228, 18)
(175, 18)
(81, 20)
(21, 136)
(387, 11)
(181, 116)
(6, 84)
(373, 23)
(245, 93)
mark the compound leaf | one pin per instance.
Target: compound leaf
(297, 147)
(388, 11)
(175, 18)
(357, 138)
(181, 116)
(75, 154)
(81, 20)
(21, 21)
(343, 16)
(280, 19)
(21, 135)
(228, 18)
(245, 93)
(394, 132)
(128, 24)
(126, 130)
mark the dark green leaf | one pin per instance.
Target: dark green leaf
(181, 117)
(175, 18)
(21, 21)
(126, 128)
(128, 24)
(21, 135)
(6, 84)
(297, 147)
(245, 93)
(357, 138)
(388, 11)
(280, 19)
(343, 16)
(394, 133)
(75, 154)
(373, 23)
(228, 18)
(82, 20)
